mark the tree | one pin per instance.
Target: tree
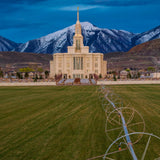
(129, 75)
(119, 77)
(36, 77)
(27, 69)
(128, 70)
(134, 76)
(95, 77)
(18, 75)
(138, 75)
(114, 77)
(100, 75)
(40, 77)
(1, 74)
(46, 74)
(151, 69)
(26, 75)
(40, 70)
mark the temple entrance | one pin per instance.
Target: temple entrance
(78, 76)
(90, 76)
(65, 76)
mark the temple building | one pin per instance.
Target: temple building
(78, 62)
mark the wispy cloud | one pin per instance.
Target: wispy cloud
(40, 17)
(123, 2)
(88, 3)
(81, 7)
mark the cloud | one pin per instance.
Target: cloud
(35, 18)
(123, 2)
(21, 1)
(81, 7)
(24, 25)
(85, 4)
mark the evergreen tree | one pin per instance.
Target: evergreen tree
(18, 75)
(1, 74)
(26, 75)
(100, 75)
(114, 77)
(40, 77)
(46, 74)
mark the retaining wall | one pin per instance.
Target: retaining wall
(128, 82)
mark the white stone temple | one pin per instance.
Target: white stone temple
(78, 62)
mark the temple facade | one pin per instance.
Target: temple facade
(78, 62)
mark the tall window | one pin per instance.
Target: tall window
(78, 44)
(96, 65)
(78, 63)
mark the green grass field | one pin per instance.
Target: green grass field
(65, 123)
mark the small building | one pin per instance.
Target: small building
(155, 75)
(123, 74)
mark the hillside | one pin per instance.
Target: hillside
(18, 60)
(150, 48)
(7, 45)
(141, 56)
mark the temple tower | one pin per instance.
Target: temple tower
(78, 38)
(78, 62)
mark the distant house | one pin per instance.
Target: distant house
(31, 75)
(123, 74)
(155, 75)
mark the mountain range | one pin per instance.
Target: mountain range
(140, 57)
(98, 39)
(7, 45)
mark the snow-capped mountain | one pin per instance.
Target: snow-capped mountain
(99, 40)
(146, 36)
(7, 45)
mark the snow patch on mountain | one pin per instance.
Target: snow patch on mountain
(99, 40)
(146, 36)
(7, 45)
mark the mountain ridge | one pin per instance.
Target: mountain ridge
(6, 44)
(141, 56)
(101, 40)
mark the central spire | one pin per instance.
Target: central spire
(78, 25)
(78, 46)
(78, 38)
(77, 13)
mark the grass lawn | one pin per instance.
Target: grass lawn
(65, 122)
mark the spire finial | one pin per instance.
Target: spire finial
(77, 13)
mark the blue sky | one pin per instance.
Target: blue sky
(23, 20)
